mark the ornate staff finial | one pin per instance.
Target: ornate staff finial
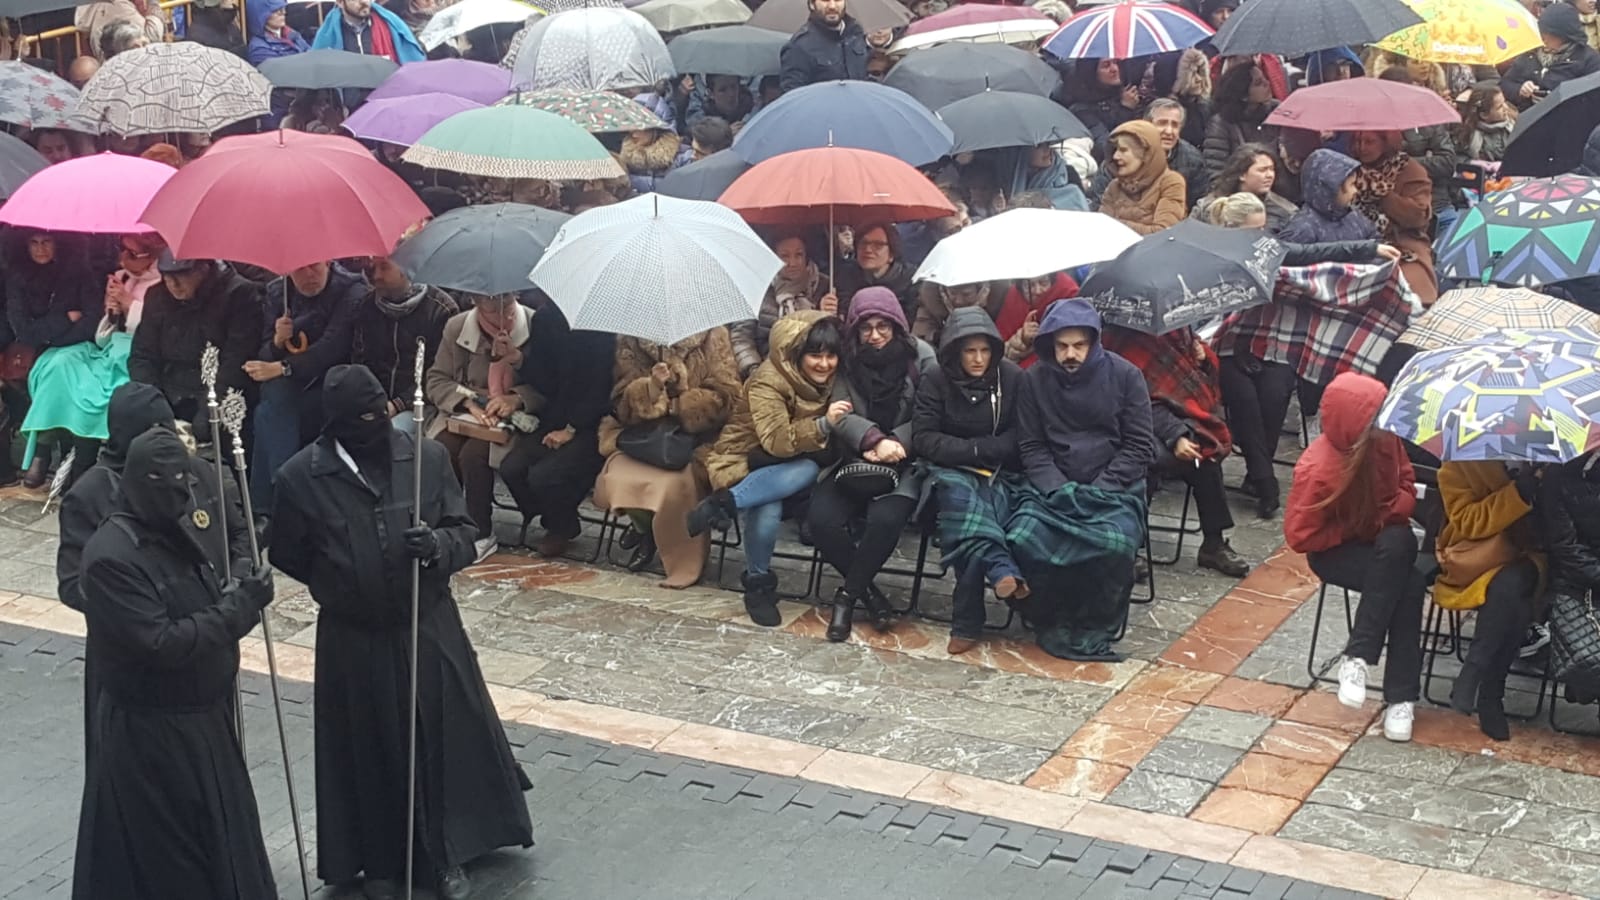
(209, 362)
(417, 367)
(233, 410)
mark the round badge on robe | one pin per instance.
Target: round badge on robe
(201, 518)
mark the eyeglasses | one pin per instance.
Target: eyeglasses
(866, 329)
(137, 254)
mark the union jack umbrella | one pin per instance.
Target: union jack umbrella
(1125, 30)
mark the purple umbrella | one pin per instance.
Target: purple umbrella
(481, 83)
(402, 120)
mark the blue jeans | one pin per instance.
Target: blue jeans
(761, 495)
(967, 612)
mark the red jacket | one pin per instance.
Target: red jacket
(1348, 409)
(1014, 310)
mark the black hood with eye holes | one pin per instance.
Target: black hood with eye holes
(135, 408)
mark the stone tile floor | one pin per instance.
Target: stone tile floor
(1212, 719)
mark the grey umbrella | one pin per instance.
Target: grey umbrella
(318, 69)
(743, 50)
(1295, 28)
(480, 249)
(939, 76)
(1008, 119)
(704, 179)
(18, 162)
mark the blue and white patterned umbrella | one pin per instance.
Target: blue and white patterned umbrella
(601, 49)
(1126, 30)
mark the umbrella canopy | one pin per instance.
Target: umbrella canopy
(939, 76)
(479, 82)
(1295, 27)
(601, 49)
(1549, 136)
(101, 194)
(319, 69)
(1008, 119)
(329, 199)
(814, 187)
(1362, 104)
(182, 87)
(34, 98)
(1025, 243)
(1531, 396)
(1468, 314)
(457, 19)
(861, 114)
(1125, 30)
(480, 249)
(596, 112)
(700, 254)
(679, 15)
(513, 142)
(978, 23)
(743, 50)
(18, 163)
(704, 179)
(402, 120)
(1185, 275)
(1539, 232)
(16, 9)
(789, 16)
(1470, 32)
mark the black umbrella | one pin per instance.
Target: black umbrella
(1008, 119)
(487, 249)
(1549, 137)
(327, 69)
(18, 162)
(742, 50)
(1296, 27)
(1185, 275)
(939, 76)
(16, 9)
(705, 179)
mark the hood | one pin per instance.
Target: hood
(1318, 63)
(135, 408)
(256, 13)
(964, 323)
(788, 335)
(1155, 159)
(1349, 407)
(876, 301)
(1324, 171)
(1591, 155)
(1562, 20)
(1071, 313)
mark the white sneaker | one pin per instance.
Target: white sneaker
(1352, 682)
(1397, 721)
(485, 547)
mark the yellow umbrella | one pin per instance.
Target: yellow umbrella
(1474, 32)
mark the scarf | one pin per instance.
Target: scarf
(789, 294)
(1189, 389)
(502, 377)
(1374, 182)
(382, 38)
(881, 374)
(405, 306)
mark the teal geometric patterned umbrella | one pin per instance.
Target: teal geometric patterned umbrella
(1532, 396)
(1539, 232)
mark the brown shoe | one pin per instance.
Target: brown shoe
(553, 545)
(1012, 588)
(959, 645)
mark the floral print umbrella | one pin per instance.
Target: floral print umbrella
(34, 98)
(596, 111)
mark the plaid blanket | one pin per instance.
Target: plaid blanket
(1185, 386)
(973, 512)
(1324, 319)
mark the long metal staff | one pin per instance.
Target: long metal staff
(416, 589)
(210, 359)
(233, 419)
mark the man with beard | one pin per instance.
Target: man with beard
(388, 322)
(168, 810)
(342, 524)
(360, 26)
(134, 409)
(832, 47)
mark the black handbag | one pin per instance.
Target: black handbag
(866, 480)
(662, 444)
(1575, 641)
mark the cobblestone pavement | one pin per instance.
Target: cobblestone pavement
(615, 821)
(1211, 740)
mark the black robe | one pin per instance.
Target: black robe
(168, 810)
(343, 539)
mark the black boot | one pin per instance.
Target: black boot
(644, 552)
(716, 511)
(878, 608)
(1218, 555)
(761, 598)
(1491, 708)
(1464, 693)
(844, 608)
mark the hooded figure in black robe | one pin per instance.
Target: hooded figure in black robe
(167, 806)
(342, 525)
(134, 409)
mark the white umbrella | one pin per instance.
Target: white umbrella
(454, 21)
(677, 15)
(600, 49)
(702, 264)
(183, 87)
(1025, 243)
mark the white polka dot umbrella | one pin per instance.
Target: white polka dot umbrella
(600, 49)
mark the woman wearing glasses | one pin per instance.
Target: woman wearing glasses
(878, 263)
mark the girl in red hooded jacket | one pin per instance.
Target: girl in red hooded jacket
(1350, 511)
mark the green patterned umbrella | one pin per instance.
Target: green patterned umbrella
(513, 142)
(595, 111)
(1538, 232)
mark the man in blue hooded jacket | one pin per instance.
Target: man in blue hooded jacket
(361, 26)
(270, 34)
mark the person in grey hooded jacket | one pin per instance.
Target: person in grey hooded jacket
(1327, 183)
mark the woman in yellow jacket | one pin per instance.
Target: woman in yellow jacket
(1486, 563)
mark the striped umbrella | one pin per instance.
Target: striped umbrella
(1125, 30)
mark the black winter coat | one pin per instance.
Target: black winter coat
(327, 321)
(1579, 60)
(956, 424)
(1568, 510)
(225, 311)
(38, 299)
(570, 369)
(818, 53)
(388, 346)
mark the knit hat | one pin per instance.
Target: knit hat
(1210, 7)
(876, 301)
(1561, 20)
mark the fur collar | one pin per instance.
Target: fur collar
(652, 157)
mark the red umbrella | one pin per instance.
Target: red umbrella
(1363, 104)
(282, 200)
(825, 184)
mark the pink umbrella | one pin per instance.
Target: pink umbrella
(101, 194)
(978, 24)
(1363, 104)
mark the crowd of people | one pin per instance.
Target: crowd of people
(858, 401)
